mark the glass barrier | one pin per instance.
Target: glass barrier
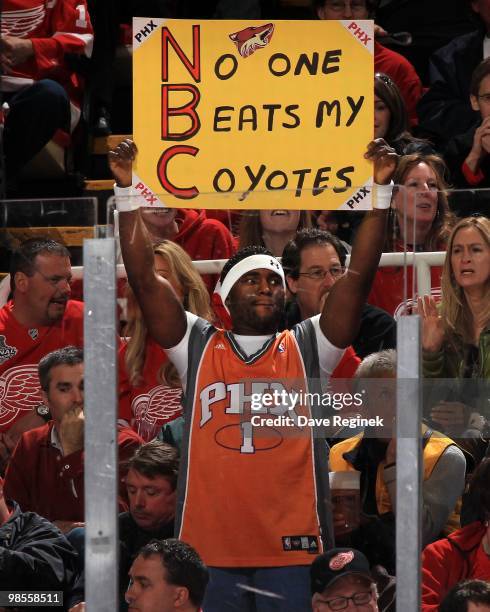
(259, 406)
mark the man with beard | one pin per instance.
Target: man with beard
(39, 319)
(252, 500)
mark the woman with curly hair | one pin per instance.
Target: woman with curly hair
(149, 389)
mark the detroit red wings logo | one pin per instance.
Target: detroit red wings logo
(22, 23)
(19, 391)
(253, 38)
(341, 560)
(160, 404)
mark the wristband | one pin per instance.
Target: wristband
(382, 196)
(127, 199)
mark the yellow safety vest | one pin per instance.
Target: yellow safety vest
(434, 448)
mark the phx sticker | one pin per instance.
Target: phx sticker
(250, 39)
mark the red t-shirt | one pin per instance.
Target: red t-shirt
(20, 351)
(148, 406)
(388, 289)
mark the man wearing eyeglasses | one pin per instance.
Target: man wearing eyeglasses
(39, 319)
(314, 261)
(341, 580)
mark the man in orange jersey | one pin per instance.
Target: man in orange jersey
(254, 501)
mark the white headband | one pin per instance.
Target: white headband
(253, 262)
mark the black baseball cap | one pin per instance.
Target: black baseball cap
(336, 563)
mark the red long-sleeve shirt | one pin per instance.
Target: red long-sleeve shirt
(40, 479)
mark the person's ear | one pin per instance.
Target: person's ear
(292, 284)
(474, 103)
(21, 281)
(181, 598)
(320, 12)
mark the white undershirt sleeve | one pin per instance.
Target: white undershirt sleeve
(179, 354)
(328, 354)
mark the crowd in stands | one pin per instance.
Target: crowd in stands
(224, 496)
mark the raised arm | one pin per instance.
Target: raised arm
(341, 315)
(162, 310)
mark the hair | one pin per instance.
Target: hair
(291, 257)
(479, 73)
(376, 364)
(243, 254)
(250, 232)
(371, 6)
(183, 566)
(156, 458)
(478, 494)
(24, 256)
(443, 219)
(455, 311)
(468, 591)
(398, 134)
(69, 355)
(196, 300)
(387, 90)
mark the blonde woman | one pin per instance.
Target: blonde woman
(456, 336)
(149, 389)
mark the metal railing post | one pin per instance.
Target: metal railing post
(101, 477)
(408, 465)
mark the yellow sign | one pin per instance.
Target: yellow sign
(234, 114)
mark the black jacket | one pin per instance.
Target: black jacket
(131, 539)
(472, 200)
(34, 554)
(445, 110)
(377, 330)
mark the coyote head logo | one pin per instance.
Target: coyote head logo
(250, 39)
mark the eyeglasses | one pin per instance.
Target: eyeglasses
(338, 6)
(341, 603)
(54, 280)
(485, 98)
(319, 274)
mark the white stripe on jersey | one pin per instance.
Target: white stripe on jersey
(87, 39)
(22, 23)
